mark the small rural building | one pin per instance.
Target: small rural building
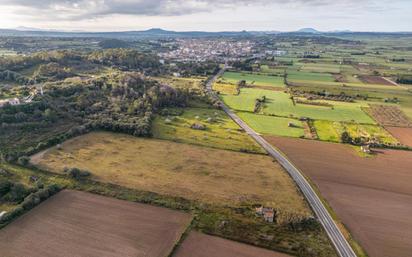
(269, 216)
(267, 213)
(366, 149)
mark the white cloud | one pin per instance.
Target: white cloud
(206, 14)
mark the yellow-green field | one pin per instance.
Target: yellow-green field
(193, 172)
(221, 131)
(332, 131)
(225, 88)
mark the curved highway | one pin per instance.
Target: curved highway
(341, 244)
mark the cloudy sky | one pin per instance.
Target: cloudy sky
(208, 15)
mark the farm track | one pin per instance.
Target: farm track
(341, 244)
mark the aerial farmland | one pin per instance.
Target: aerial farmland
(162, 143)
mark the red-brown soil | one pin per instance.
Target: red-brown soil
(371, 196)
(404, 135)
(201, 245)
(81, 224)
(376, 80)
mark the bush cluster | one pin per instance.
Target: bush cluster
(31, 201)
(76, 173)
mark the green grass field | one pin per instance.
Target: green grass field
(256, 79)
(332, 131)
(269, 125)
(280, 104)
(222, 132)
(321, 67)
(269, 70)
(309, 76)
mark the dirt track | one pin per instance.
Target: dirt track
(372, 196)
(79, 224)
(404, 135)
(201, 245)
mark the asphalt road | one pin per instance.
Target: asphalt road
(338, 240)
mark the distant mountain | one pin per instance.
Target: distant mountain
(22, 28)
(308, 30)
(340, 31)
(151, 33)
(156, 33)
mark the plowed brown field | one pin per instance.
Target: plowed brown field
(201, 245)
(404, 135)
(377, 80)
(371, 196)
(81, 224)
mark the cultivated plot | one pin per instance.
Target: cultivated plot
(201, 245)
(371, 196)
(74, 223)
(404, 135)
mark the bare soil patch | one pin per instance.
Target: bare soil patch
(375, 80)
(340, 78)
(371, 196)
(404, 135)
(75, 223)
(391, 116)
(201, 245)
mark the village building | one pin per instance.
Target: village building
(11, 101)
(366, 149)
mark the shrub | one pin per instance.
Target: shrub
(16, 193)
(346, 138)
(53, 189)
(5, 187)
(12, 214)
(43, 194)
(78, 174)
(23, 160)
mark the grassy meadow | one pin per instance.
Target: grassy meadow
(332, 131)
(254, 79)
(174, 169)
(270, 125)
(221, 131)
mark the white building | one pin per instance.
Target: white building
(11, 101)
